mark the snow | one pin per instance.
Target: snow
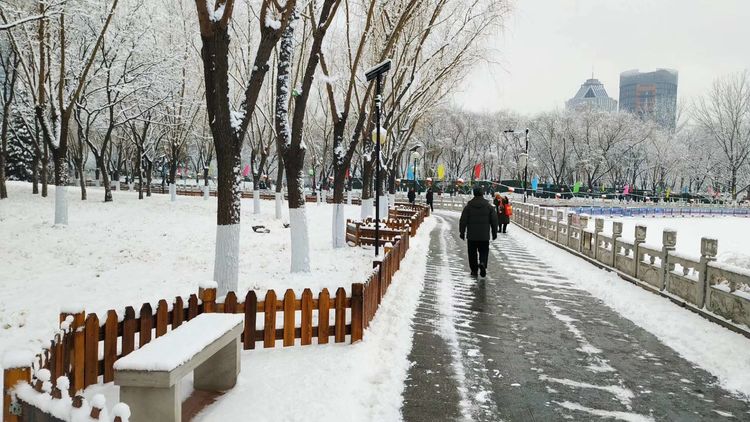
(717, 350)
(360, 382)
(166, 353)
(17, 358)
(731, 232)
(272, 23)
(128, 252)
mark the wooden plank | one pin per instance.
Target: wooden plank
(128, 331)
(177, 312)
(91, 365)
(289, 312)
(162, 318)
(110, 345)
(251, 303)
(230, 303)
(192, 307)
(78, 351)
(147, 323)
(269, 323)
(58, 367)
(306, 323)
(11, 377)
(340, 315)
(357, 311)
(324, 303)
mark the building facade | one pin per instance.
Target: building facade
(650, 95)
(592, 95)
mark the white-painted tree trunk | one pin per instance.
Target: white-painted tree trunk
(383, 207)
(61, 205)
(227, 260)
(117, 185)
(256, 201)
(131, 186)
(173, 192)
(96, 183)
(338, 225)
(324, 197)
(391, 199)
(206, 192)
(349, 197)
(300, 240)
(279, 202)
(367, 208)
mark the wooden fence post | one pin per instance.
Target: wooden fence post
(357, 311)
(11, 377)
(208, 296)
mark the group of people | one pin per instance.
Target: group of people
(429, 197)
(479, 220)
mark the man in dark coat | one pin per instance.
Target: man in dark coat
(478, 219)
(429, 198)
(412, 195)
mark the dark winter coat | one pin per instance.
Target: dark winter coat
(412, 196)
(478, 219)
(428, 196)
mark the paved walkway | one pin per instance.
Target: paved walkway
(526, 345)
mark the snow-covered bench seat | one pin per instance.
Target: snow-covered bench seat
(149, 378)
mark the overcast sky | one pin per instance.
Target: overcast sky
(548, 48)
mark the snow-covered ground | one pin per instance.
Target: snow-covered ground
(733, 234)
(717, 350)
(127, 252)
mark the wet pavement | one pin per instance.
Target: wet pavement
(525, 344)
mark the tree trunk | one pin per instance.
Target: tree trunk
(45, 170)
(149, 173)
(61, 181)
(734, 183)
(81, 178)
(104, 173)
(35, 174)
(3, 188)
(139, 171)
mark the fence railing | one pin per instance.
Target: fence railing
(85, 348)
(697, 281)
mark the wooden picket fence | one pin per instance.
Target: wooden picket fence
(87, 345)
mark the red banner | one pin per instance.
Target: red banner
(477, 171)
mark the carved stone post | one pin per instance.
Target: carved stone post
(558, 226)
(598, 229)
(583, 223)
(616, 234)
(668, 244)
(709, 248)
(640, 237)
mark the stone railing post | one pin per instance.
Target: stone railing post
(709, 248)
(598, 229)
(558, 225)
(616, 234)
(668, 244)
(583, 224)
(570, 226)
(550, 223)
(640, 237)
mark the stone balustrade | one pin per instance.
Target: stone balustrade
(696, 280)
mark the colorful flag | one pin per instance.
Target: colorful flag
(410, 173)
(669, 192)
(626, 190)
(347, 173)
(710, 191)
(477, 171)
(441, 172)
(246, 171)
(534, 183)
(576, 187)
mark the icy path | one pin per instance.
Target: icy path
(529, 344)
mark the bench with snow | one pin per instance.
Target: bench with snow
(149, 378)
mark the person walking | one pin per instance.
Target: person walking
(429, 197)
(478, 220)
(505, 210)
(412, 195)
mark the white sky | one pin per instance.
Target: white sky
(549, 47)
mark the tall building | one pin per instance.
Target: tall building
(592, 95)
(650, 95)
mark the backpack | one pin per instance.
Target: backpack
(508, 210)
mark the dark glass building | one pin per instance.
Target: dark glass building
(650, 95)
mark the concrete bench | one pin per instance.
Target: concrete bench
(149, 378)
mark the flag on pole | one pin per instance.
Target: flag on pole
(410, 172)
(347, 173)
(710, 191)
(441, 172)
(534, 183)
(669, 192)
(626, 190)
(246, 170)
(477, 171)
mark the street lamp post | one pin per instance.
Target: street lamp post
(523, 159)
(416, 156)
(377, 73)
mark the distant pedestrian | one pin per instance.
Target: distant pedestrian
(429, 198)
(505, 211)
(412, 195)
(478, 220)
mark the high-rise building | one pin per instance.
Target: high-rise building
(592, 95)
(650, 95)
